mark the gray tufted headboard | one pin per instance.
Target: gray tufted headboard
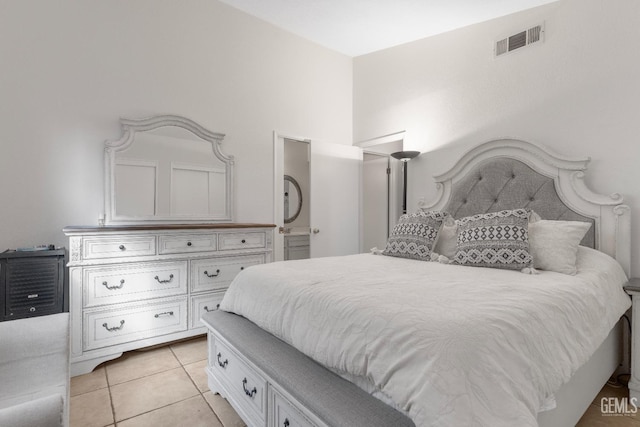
(504, 183)
(511, 173)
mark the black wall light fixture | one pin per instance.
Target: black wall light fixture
(404, 157)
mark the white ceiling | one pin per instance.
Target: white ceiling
(356, 27)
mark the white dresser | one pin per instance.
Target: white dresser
(141, 285)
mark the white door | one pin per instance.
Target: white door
(278, 196)
(335, 182)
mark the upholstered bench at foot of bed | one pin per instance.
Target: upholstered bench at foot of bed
(330, 398)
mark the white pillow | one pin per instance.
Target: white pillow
(447, 244)
(554, 244)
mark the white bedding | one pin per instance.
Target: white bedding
(450, 345)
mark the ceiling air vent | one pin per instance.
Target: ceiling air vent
(521, 39)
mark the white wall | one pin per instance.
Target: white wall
(71, 68)
(577, 93)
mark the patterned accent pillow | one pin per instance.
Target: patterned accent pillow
(415, 235)
(496, 240)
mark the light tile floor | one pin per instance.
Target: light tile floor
(167, 386)
(163, 386)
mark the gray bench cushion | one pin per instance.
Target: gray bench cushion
(334, 400)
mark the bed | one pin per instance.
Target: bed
(435, 343)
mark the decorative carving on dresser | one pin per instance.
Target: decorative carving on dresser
(75, 248)
(166, 248)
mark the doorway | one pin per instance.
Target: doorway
(375, 200)
(330, 213)
(296, 195)
(381, 190)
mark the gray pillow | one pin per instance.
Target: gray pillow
(415, 235)
(496, 240)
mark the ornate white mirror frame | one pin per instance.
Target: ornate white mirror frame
(215, 184)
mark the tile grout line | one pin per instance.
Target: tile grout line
(195, 385)
(115, 423)
(113, 409)
(155, 409)
(182, 365)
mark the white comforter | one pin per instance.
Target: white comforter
(450, 345)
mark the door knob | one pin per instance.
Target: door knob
(316, 230)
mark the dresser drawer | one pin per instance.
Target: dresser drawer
(202, 304)
(285, 414)
(298, 252)
(248, 240)
(180, 244)
(118, 246)
(293, 241)
(245, 385)
(131, 282)
(118, 326)
(217, 273)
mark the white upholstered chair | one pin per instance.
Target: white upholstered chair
(34, 371)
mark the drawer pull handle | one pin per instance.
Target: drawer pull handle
(249, 393)
(206, 273)
(32, 309)
(222, 364)
(32, 296)
(114, 328)
(188, 243)
(166, 313)
(122, 248)
(165, 281)
(286, 422)
(244, 241)
(106, 285)
(209, 310)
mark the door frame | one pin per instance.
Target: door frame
(348, 151)
(394, 209)
(388, 194)
(278, 188)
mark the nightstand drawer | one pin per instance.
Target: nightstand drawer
(118, 326)
(118, 247)
(217, 273)
(130, 282)
(181, 244)
(248, 240)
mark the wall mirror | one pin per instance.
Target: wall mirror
(292, 199)
(167, 169)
